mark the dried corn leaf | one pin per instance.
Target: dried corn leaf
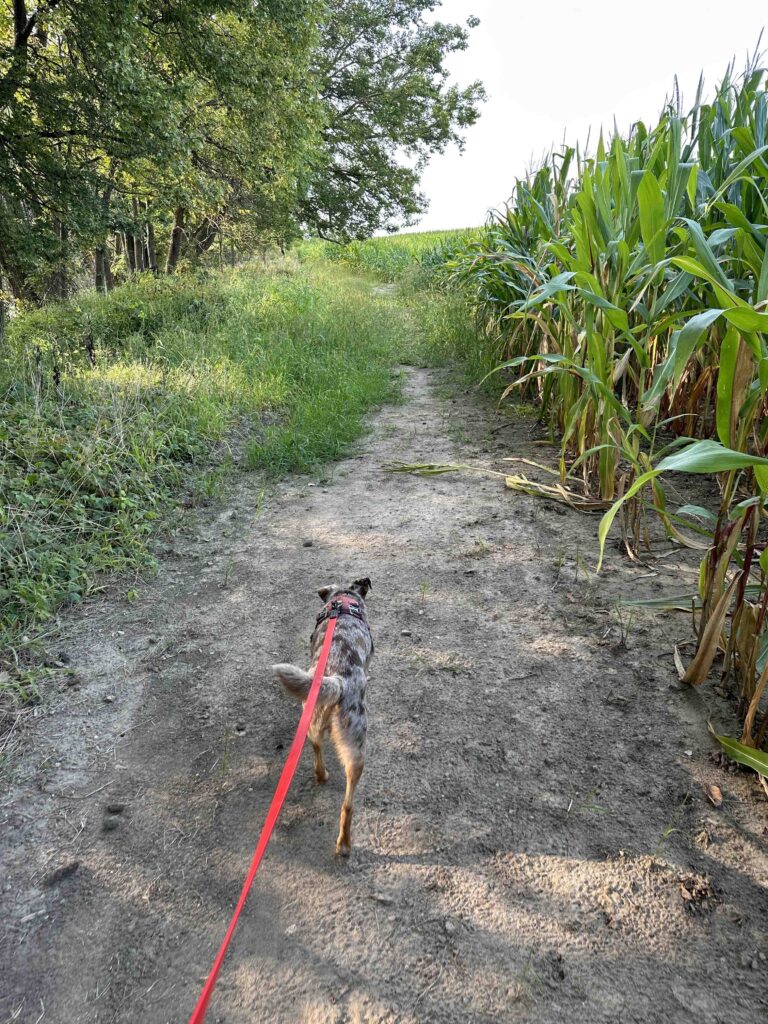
(678, 664)
(710, 640)
(558, 493)
(436, 468)
(531, 462)
(749, 720)
(422, 468)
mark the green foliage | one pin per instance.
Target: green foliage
(94, 457)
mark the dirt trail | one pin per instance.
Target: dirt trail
(532, 840)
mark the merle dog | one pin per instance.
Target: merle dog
(340, 706)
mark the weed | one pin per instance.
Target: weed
(230, 565)
(588, 805)
(672, 828)
(624, 619)
(529, 984)
(226, 751)
(579, 563)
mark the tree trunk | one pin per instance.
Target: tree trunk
(2, 315)
(151, 249)
(145, 246)
(177, 236)
(104, 281)
(138, 253)
(130, 250)
(13, 78)
(205, 235)
(17, 280)
(99, 276)
(109, 281)
(59, 279)
(119, 247)
(138, 247)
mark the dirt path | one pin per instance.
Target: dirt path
(532, 838)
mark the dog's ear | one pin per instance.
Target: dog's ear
(362, 586)
(325, 592)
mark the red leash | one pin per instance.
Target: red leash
(286, 778)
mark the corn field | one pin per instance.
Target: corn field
(627, 292)
(392, 256)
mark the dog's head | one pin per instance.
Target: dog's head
(359, 588)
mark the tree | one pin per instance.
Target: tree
(388, 106)
(251, 130)
(148, 128)
(80, 103)
(113, 112)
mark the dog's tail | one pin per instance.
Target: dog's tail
(297, 683)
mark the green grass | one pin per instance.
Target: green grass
(191, 376)
(393, 256)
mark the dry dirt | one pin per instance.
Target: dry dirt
(532, 836)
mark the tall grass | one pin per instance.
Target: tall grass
(118, 411)
(627, 291)
(393, 256)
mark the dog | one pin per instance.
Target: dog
(340, 707)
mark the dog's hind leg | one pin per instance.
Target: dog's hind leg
(316, 739)
(321, 772)
(354, 768)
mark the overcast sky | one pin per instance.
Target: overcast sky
(557, 67)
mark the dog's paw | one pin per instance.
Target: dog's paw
(343, 849)
(322, 778)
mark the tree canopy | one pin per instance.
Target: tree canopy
(134, 135)
(388, 106)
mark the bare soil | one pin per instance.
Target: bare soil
(533, 840)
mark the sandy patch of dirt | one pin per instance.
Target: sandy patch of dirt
(532, 838)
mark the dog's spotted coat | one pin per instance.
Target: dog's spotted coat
(340, 706)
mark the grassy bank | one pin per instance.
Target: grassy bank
(116, 412)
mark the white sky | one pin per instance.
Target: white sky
(555, 67)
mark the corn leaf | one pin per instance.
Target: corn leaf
(708, 457)
(729, 350)
(653, 223)
(748, 756)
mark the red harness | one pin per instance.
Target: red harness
(342, 604)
